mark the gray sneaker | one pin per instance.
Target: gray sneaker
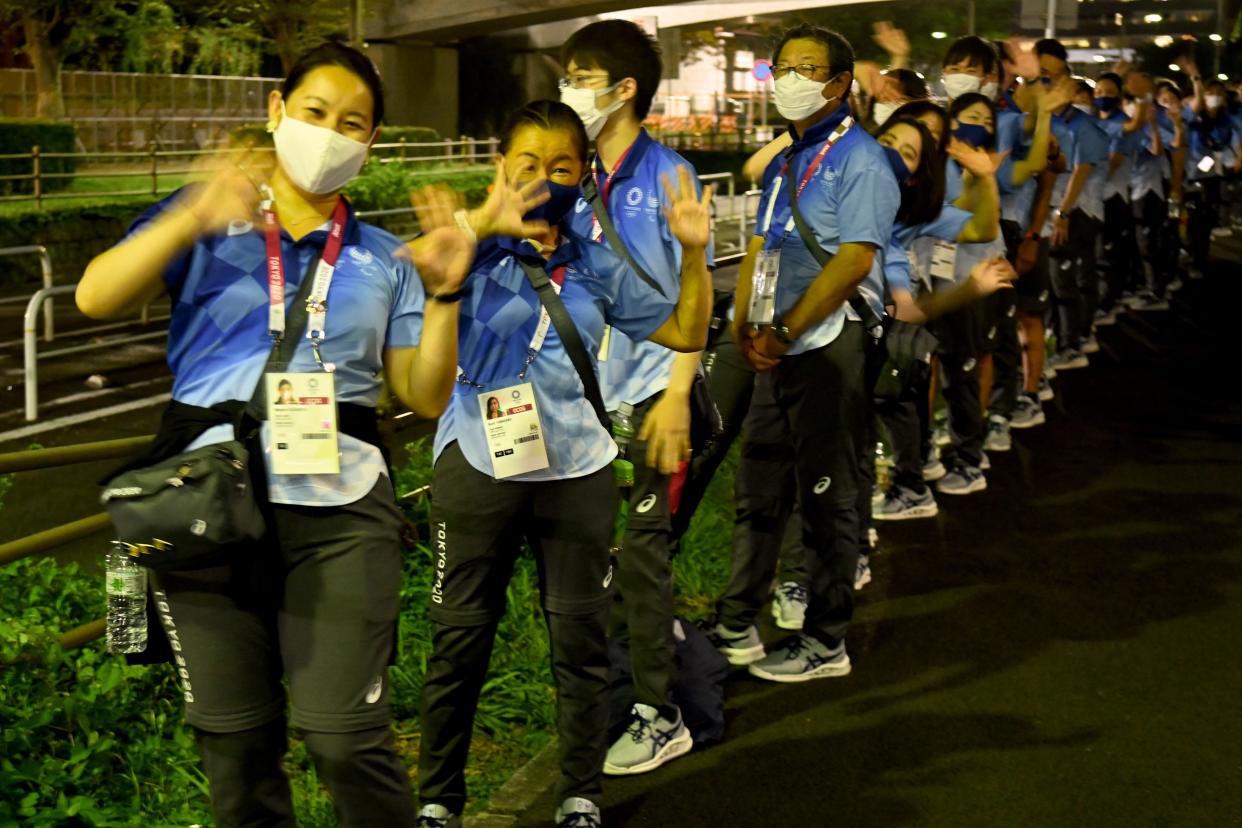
(998, 434)
(437, 816)
(649, 741)
(933, 469)
(1028, 413)
(1045, 390)
(862, 573)
(1091, 345)
(963, 480)
(1068, 359)
(739, 647)
(577, 812)
(802, 658)
(789, 606)
(905, 504)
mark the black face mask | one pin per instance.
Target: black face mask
(898, 164)
(563, 199)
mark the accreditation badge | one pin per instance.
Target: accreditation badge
(301, 410)
(763, 288)
(514, 432)
(604, 343)
(943, 260)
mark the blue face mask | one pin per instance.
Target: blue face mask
(974, 134)
(1107, 104)
(563, 199)
(898, 164)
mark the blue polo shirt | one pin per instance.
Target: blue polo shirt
(635, 370)
(499, 314)
(1016, 199)
(218, 339)
(1082, 142)
(1208, 136)
(1150, 169)
(1124, 144)
(917, 241)
(852, 197)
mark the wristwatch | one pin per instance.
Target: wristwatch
(782, 333)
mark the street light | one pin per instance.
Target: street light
(1152, 18)
(939, 35)
(1173, 67)
(1222, 77)
(1163, 41)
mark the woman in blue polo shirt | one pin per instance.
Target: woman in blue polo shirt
(541, 471)
(316, 601)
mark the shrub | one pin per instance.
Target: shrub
(18, 136)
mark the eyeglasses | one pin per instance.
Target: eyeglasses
(806, 70)
(581, 81)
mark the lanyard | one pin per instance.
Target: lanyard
(536, 340)
(317, 300)
(811, 169)
(597, 233)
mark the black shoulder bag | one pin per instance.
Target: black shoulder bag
(900, 364)
(706, 424)
(194, 508)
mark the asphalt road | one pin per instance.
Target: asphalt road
(1064, 649)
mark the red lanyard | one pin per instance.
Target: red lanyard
(597, 232)
(836, 136)
(558, 275)
(317, 301)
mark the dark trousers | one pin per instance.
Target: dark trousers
(905, 437)
(478, 525)
(1075, 283)
(1007, 358)
(642, 612)
(959, 380)
(316, 602)
(1120, 249)
(732, 381)
(1203, 204)
(1156, 239)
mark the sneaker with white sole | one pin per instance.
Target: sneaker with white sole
(1193, 273)
(802, 658)
(986, 463)
(873, 537)
(1028, 412)
(962, 480)
(789, 606)
(1175, 285)
(739, 647)
(577, 812)
(1045, 392)
(1068, 360)
(1104, 318)
(933, 469)
(941, 435)
(905, 504)
(997, 438)
(437, 816)
(862, 573)
(1151, 302)
(1090, 345)
(649, 741)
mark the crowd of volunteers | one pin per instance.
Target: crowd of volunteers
(566, 335)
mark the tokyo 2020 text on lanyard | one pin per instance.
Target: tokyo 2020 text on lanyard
(301, 406)
(762, 310)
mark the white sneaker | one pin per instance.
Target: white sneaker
(577, 812)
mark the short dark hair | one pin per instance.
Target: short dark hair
(347, 57)
(912, 86)
(623, 50)
(974, 51)
(923, 195)
(545, 114)
(1112, 76)
(1165, 83)
(840, 52)
(964, 102)
(915, 109)
(1051, 47)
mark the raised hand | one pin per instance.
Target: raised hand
(1187, 64)
(992, 275)
(501, 214)
(444, 252)
(1022, 58)
(1059, 95)
(228, 188)
(978, 162)
(891, 39)
(688, 215)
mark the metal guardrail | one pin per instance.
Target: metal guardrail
(45, 265)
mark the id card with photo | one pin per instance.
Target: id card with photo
(514, 432)
(301, 409)
(763, 288)
(943, 260)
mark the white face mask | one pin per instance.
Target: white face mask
(316, 159)
(959, 84)
(881, 112)
(798, 98)
(1213, 101)
(583, 101)
(990, 89)
(1085, 109)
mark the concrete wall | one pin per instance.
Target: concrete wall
(420, 83)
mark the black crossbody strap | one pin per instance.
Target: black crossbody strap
(590, 189)
(282, 355)
(568, 332)
(870, 321)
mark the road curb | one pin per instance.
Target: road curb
(520, 791)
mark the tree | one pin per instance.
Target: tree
(292, 25)
(51, 29)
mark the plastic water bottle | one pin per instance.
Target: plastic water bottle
(126, 586)
(623, 428)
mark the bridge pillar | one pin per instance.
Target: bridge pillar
(420, 83)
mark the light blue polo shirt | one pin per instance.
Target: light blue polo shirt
(634, 371)
(218, 341)
(1082, 142)
(917, 241)
(1124, 144)
(852, 197)
(499, 314)
(1150, 169)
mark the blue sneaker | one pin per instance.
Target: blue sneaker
(802, 658)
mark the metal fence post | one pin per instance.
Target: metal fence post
(155, 170)
(448, 147)
(37, 171)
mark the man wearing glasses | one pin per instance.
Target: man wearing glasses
(813, 345)
(614, 69)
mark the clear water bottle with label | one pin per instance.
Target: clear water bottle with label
(126, 586)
